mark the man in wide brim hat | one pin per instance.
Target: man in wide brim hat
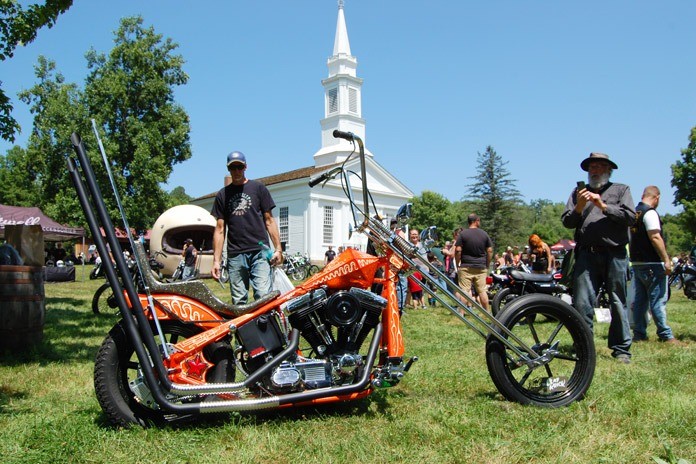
(597, 157)
(601, 214)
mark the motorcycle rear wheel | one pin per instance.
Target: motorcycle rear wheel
(502, 299)
(561, 381)
(313, 269)
(116, 365)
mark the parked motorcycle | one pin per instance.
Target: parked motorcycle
(180, 352)
(293, 267)
(683, 276)
(97, 271)
(521, 283)
(103, 301)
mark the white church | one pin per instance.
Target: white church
(312, 219)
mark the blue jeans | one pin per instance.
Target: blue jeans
(593, 269)
(650, 292)
(188, 272)
(246, 267)
(401, 290)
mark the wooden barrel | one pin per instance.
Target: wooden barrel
(22, 307)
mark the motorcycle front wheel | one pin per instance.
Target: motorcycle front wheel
(501, 299)
(117, 365)
(298, 273)
(561, 335)
(103, 301)
(690, 290)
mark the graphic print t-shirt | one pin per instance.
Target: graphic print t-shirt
(242, 208)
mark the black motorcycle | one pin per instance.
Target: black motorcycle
(96, 271)
(683, 276)
(519, 283)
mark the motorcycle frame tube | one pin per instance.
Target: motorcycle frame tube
(392, 338)
(143, 326)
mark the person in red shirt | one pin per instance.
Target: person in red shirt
(414, 287)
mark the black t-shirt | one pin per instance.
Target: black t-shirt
(242, 207)
(330, 255)
(474, 243)
(189, 257)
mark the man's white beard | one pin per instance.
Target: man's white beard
(599, 181)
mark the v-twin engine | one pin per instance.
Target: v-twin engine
(335, 324)
(335, 327)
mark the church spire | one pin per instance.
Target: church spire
(341, 43)
(342, 99)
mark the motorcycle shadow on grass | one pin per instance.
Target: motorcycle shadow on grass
(377, 404)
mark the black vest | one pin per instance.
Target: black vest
(642, 250)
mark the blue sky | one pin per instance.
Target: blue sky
(543, 82)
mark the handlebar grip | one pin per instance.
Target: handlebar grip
(317, 180)
(343, 135)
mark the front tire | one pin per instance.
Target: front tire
(561, 334)
(298, 274)
(690, 290)
(501, 299)
(117, 365)
(103, 301)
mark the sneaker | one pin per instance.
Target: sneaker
(623, 358)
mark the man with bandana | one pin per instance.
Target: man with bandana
(244, 208)
(601, 213)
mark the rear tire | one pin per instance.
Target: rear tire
(313, 269)
(558, 382)
(116, 365)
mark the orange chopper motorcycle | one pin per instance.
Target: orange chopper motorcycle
(179, 352)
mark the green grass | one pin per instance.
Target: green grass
(446, 410)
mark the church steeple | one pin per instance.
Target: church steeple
(342, 99)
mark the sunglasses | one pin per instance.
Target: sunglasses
(236, 167)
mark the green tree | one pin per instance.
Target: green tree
(18, 177)
(678, 238)
(130, 93)
(498, 198)
(684, 181)
(433, 209)
(178, 196)
(58, 111)
(547, 221)
(20, 26)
